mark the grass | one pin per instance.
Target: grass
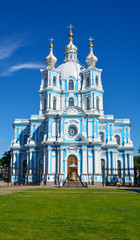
(70, 214)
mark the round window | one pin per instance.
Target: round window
(72, 130)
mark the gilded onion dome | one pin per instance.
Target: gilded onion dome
(91, 59)
(70, 49)
(51, 59)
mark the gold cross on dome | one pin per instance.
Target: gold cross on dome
(70, 27)
(51, 39)
(91, 39)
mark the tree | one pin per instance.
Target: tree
(137, 161)
(5, 160)
(139, 150)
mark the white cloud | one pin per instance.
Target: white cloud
(25, 66)
(8, 47)
(19, 67)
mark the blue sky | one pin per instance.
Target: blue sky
(26, 26)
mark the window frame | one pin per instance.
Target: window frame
(87, 81)
(71, 81)
(88, 103)
(54, 81)
(71, 99)
(54, 103)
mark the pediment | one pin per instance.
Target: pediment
(73, 111)
(81, 138)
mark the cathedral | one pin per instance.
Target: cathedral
(71, 128)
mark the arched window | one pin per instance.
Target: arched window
(54, 81)
(25, 138)
(71, 101)
(96, 80)
(117, 139)
(119, 168)
(41, 136)
(45, 103)
(88, 103)
(54, 103)
(71, 84)
(87, 81)
(97, 103)
(70, 56)
(45, 81)
(102, 137)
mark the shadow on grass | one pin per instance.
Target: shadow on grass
(137, 190)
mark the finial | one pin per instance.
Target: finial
(91, 39)
(51, 44)
(70, 33)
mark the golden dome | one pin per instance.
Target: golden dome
(91, 45)
(51, 45)
(70, 34)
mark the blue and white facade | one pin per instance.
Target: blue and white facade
(71, 122)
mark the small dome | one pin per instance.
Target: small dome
(70, 69)
(51, 59)
(91, 59)
(70, 49)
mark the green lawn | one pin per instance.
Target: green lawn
(70, 214)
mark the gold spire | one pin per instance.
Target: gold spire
(51, 44)
(91, 39)
(70, 33)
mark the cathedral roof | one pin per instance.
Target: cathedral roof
(91, 59)
(51, 59)
(70, 69)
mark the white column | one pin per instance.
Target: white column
(78, 167)
(115, 162)
(129, 163)
(14, 161)
(44, 162)
(124, 135)
(83, 127)
(66, 163)
(90, 164)
(101, 102)
(132, 163)
(57, 160)
(49, 157)
(17, 170)
(108, 133)
(79, 99)
(84, 160)
(61, 161)
(97, 161)
(35, 170)
(113, 171)
(49, 126)
(128, 134)
(47, 100)
(126, 166)
(109, 171)
(94, 128)
(61, 128)
(30, 162)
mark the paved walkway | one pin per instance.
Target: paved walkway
(11, 189)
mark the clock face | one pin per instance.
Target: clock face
(72, 130)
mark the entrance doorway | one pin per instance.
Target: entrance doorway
(72, 159)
